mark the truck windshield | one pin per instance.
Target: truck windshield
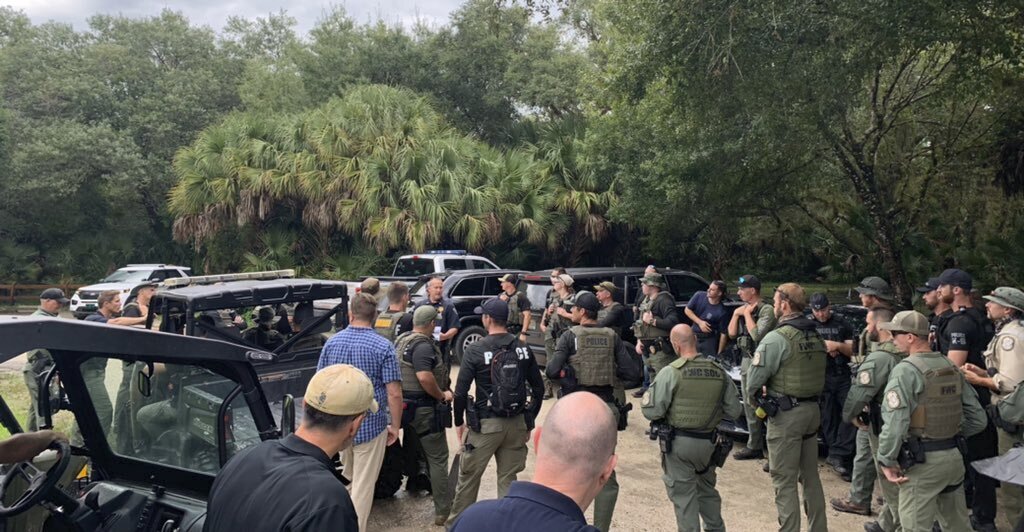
(413, 267)
(127, 276)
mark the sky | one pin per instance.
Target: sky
(214, 13)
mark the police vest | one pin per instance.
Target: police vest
(515, 316)
(403, 348)
(803, 373)
(744, 342)
(644, 331)
(697, 400)
(594, 360)
(939, 408)
(890, 350)
(556, 323)
(601, 314)
(386, 323)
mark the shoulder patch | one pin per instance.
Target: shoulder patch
(1007, 343)
(646, 401)
(892, 399)
(757, 358)
(864, 377)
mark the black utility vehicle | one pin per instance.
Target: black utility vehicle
(211, 385)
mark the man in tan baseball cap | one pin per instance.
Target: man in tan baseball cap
(243, 496)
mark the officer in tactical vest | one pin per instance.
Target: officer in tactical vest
(613, 314)
(863, 407)
(427, 398)
(39, 360)
(557, 319)
(656, 316)
(1004, 358)
(685, 403)
(787, 374)
(927, 411)
(389, 322)
(519, 314)
(748, 325)
(592, 359)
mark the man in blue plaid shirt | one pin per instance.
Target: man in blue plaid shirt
(361, 346)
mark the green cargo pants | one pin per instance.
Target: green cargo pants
(31, 382)
(862, 483)
(693, 495)
(502, 438)
(122, 429)
(888, 516)
(1011, 496)
(793, 453)
(660, 359)
(435, 447)
(922, 501)
(604, 503)
(755, 425)
(94, 373)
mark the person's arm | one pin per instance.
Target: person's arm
(723, 340)
(467, 372)
(766, 321)
(961, 333)
(658, 398)
(127, 321)
(765, 363)
(524, 306)
(451, 319)
(733, 329)
(534, 379)
(395, 409)
(563, 350)
(666, 308)
(423, 361)
(974, 419)
(695, 319)
(866, 385)
(899, 401)
(731, 401)
(842, 348)
(26, 446)
(625, 369)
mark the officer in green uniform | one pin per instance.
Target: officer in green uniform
(39, 361)
(790, 364)
(687, 399)
(519, 314)
(387, 323)
(656, 316)
(748, 325)
(863, 407)
(927, 412)
(425, 391)
(592, 359)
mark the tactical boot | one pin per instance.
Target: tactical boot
(873, 526)
(850, 507)
(747, 453)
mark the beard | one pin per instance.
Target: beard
(947, 298)
(873, 336)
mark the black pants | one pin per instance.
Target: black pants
(840, 437)
(707, 345)
(979, 489)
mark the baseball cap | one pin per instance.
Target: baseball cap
(341, 390)
(423, 315)
(955, 277)
(587, 301)
(370, 285)
(607, 286)
(1007, 296)
(908, 321)
(819, 301)
(55, 294)
(930, 285)
(494, 308)
(750, 281)
(875, 286)
(509, 278)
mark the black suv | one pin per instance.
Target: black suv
(467, 289)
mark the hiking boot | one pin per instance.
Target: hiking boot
(439, 520)
(850, 507)
(639, 393)
(747, 453)
(873, 526)
(766, 468)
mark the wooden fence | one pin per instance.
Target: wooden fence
(15, 293)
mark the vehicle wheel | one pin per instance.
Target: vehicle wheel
(466, 337)
(389, 481)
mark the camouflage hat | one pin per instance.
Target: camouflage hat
(607, 286)
(875, 286)
(654, 279)
(1008, 297)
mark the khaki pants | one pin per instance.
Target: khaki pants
(1011, 495)
(693, 494)
(793, 454)
(362, 465)
(922, 501)
(435, 447)
(502, 438)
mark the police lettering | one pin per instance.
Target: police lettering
(522, 353)
(597, 341)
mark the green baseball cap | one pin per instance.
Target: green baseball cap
(1008, 297)
(607, 286)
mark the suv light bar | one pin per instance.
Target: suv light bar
(178, 282)
(446, 252)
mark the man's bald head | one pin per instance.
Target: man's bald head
(683, 340)
(578, 437)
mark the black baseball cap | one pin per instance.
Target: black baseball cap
(587, 301)
(55, 294)
(930, 285)
(955, 277)
(819, 301)
(494, 308)
(750, 281)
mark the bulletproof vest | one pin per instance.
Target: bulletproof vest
(515, 316)
(744, 342)
(644, 331)
(557, 324)
(696, 401)
(802, 374)
(604, 312)
(939, 408)
(403, 348)
(386, 323)
(897, 356)
(594, 360)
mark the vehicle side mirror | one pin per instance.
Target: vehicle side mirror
(47, 402)
(287, 414)
(144, 380)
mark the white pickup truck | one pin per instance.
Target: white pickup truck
(409, 268)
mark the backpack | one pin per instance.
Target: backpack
(508, 384)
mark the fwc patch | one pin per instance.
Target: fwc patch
(646, 401)
(757, 358)
(864, 377)
(1007, 343)
(893, 399)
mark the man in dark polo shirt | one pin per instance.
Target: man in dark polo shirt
(446, 325)
(840, 437)
(575, 459)
(247, 493)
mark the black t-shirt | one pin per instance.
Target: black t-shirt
(936, 322)
(422, 356)
(476, 367)
(835, 329)
(964, 330)
(131, 310)
(404, 324)
(286, 484)
(616, 316)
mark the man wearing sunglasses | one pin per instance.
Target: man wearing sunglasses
(749, 324)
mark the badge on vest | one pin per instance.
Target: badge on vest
(1007, 343)
(893, 399)
(864, 378)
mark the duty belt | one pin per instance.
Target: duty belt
(938, 445)
(709, 435)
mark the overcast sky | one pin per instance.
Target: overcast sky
(213, 13)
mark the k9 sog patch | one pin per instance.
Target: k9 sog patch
(1007, 343)
(864, 377)
(893, 399)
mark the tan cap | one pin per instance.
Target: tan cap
(908, 321)
(341, 390)
(423, 315)
(566, 279)
(370, 285)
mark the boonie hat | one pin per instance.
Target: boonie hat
(750, 281)
(587, 301)
(875, 286)
(955, 277)
(1008, 297)
(56, 294)
(341, 390)
(654, 279)
(423, 315)
(929, 286)
(509, 278)
(494, 308)
(908, 321)
(607, 286)
(264, 315)
(819, 301)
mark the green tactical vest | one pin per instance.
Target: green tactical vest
(403, 348)
(744, 342)
(386, 323)
(697, 400)
(897, 356)
(604, 312)
(594, 360)
(803, 373)
(515, 316)
(939, 408)
(644, 331)
(557, 324)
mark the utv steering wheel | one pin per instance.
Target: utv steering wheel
(40, 483)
